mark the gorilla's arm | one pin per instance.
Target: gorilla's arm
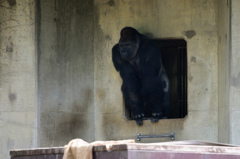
(131, 83)
(116, 58)
(121, 65)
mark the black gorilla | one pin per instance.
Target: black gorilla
(145, 82)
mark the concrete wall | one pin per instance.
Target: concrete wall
(17, 75)
(66, 70)
(234, 96)
(194, 21)
(229, 86)
(78, 88)
(224, 47)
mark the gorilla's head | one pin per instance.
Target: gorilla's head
(129, 43)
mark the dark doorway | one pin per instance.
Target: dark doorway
(174, 58)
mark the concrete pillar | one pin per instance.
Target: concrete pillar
(17, 75)
(66, 72)
(223, 73)
(234, 97)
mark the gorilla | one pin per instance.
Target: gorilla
(145, 82)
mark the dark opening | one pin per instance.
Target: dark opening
(174, 58)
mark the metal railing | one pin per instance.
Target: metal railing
(139, 136)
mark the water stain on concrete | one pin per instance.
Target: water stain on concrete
(236, 81)
(190, 77)
(189, 33)
(108, 37)
(9, 47)
(11, 2)
(193, 59)
(111, 3)
(12, 97)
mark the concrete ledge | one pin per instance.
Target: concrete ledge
(37, 151)
(173, 150)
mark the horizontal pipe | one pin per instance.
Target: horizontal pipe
(139, 136)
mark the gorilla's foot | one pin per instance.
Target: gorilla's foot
(155, 117)
(139, 119)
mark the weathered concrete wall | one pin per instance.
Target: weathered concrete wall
(163, 19)
(79, 90)
(17, 75)
(66, 68)
(234, 98)
(224, 47)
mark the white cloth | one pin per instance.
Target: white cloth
(80, 149)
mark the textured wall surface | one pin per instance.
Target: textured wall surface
(223, 69)
(234, 98)
(78, 88)
(77, 79)
(17, 75)
(66, 72)
(162, 19)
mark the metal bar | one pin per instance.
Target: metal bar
(139, 136)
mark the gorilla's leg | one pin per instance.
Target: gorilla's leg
(154, 102)
(158, 103)
(133, 98)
